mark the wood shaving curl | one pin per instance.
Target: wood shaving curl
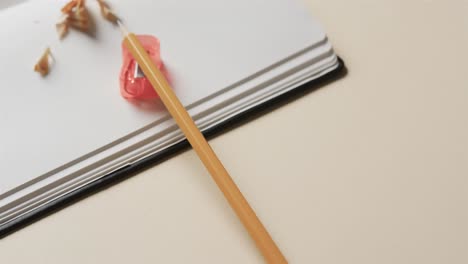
(107, 13)
(76, 15)
(43, 66)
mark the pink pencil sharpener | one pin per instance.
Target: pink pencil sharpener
(133, 83)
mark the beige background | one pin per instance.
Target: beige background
(372, 168)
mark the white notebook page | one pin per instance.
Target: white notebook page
(77, 109)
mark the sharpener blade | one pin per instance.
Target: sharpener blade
(138, 72)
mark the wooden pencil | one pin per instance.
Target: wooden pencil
(252, 223)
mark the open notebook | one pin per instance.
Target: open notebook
(64, 132)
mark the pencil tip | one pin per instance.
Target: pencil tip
(122, 27)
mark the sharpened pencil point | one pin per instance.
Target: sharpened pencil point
(122, 28)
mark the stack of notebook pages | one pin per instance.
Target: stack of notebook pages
(70, 129)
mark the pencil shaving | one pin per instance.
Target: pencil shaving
(106, 12)
(43, 66)
(79, 19)
(69, 7)
(75, 15)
